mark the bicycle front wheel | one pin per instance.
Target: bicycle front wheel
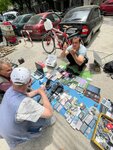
(48, 44)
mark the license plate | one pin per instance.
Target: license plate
(72, 30)
(29, 31)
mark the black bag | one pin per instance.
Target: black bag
(108, 67)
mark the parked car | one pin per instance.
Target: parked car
(107, 7)
(35, 25)
(10, 16)
(86, 19)
(20, 21)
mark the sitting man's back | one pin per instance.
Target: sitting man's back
(21, 118)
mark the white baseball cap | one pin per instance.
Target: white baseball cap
(20, 76)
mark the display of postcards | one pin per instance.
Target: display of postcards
(88, 131)
(48, 75)
(82, 115)
(88, 119)
(61, 67)
(82, 83)
(78, 124)
(53, 102)
(73, 102)
(78, 79)
(83, 106)
(93, 92)
(86, 111)
(83, 127)
(79, 89)
(67, 114)
(70, 118)
(67, 105)
(59, 108)
(56, 105)
(75, 99)
(59, 75)
(73, 86)
(93, 110)
(65, 74)
(63, 101)
(63, 95)
(54, 78)
(73, 110)
(69, 97)
(92, 123)
(74, 122)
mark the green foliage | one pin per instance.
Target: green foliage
(4, 5)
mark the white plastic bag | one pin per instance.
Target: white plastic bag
(48, 24)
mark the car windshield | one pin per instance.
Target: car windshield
(73, 15)
(17, 20)
(9, 17)
(34, 20)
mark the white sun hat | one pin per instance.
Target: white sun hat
(20, 76)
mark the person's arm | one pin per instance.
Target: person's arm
(78, 59)
(48, 109)
(65, 50)
(64, 53)
(30, 110)
(32, 93)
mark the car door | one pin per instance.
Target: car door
(109, 7)
(56, 20)
(97, 19)
(91, 22)
(50, 16)
(24, 21)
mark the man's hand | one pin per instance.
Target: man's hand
(40, 91)
(73, 52)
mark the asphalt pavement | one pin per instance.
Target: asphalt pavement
(61, 136)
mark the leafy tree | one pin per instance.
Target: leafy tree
(19, 2)
(4, 5)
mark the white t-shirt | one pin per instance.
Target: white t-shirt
(29, 110)
(82, 50)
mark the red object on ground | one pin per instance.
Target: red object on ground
(109, 126)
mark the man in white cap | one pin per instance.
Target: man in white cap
(22, 118)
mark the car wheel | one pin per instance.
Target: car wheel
(98, 29)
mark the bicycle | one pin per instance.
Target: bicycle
(54, 35)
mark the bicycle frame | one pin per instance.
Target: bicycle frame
(55, 34)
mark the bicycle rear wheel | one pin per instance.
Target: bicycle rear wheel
(48, 44)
